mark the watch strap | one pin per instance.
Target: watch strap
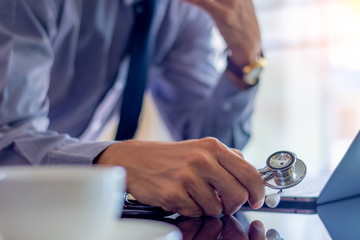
(240, 72)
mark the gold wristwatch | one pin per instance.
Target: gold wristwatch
(248, 74)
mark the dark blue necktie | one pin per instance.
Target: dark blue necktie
(138, 70)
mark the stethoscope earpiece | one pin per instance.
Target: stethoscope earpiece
(272, 234)
(273, 199)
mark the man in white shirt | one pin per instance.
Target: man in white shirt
(61, 60)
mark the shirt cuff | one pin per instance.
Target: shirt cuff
(81, 153)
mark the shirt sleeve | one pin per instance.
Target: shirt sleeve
(26, 57)
(194, 99)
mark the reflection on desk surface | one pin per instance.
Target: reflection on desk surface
(337, 220)
(288, 226)
(222, 227)
(292, 226)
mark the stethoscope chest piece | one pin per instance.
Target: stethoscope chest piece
(283, 170)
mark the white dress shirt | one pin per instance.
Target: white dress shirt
(63, 70)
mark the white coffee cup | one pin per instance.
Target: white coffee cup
(59, 202)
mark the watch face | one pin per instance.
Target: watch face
(253, 76)
(280, 160)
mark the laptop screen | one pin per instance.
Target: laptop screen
(345, 180)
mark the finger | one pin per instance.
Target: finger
(232, 229)
(245, 173)
(173, 200)
(211, 229)
(238, 152)
(224, 9)
(205, 196)
(190, 227)
(232, 193)
(211, 175)
(215, 8)
(256, 231)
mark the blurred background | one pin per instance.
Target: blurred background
(309, 97)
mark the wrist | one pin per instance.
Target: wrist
(245, 76)
(106, 156)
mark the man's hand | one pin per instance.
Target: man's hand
(192, 177)
(237, 23)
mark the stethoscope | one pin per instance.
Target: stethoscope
(283, 170)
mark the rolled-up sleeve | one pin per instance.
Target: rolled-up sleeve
(26, 56)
